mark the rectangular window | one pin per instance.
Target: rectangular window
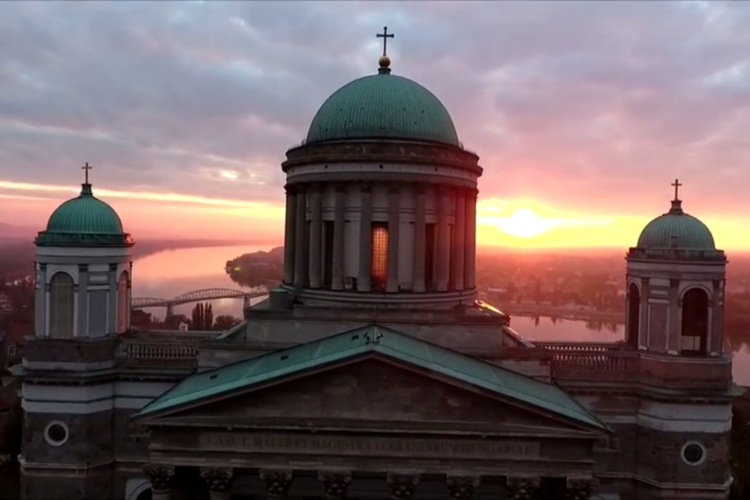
(429, 257)
(379, 258)
(11, 350)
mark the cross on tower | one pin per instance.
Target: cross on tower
(676, 184)
(385, 36)
(86, 169)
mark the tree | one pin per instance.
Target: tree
(140, 318)
(202, 317)
(226, 322)
(173, 322)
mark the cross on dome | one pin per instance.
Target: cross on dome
(676, 184)
(385, 36)
(86, 169)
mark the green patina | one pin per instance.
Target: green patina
(84, 221)
(676, 230)
(383, 106)
(371, 340)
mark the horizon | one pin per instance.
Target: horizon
(580, 129)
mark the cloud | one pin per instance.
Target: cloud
(587, 106)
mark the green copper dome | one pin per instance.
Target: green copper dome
(383, 106)
(85, 220)
(676, 230)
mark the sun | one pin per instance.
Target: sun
(524, 223)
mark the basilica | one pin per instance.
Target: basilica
(373, 371)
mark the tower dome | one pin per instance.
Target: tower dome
(676, 230)
(84, 221)
(383, 106)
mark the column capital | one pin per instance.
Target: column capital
(277, 481)
(523, 487)
(217, 478)
(461, 487)
(394, 187)
(290, 189)
(335, 483)
(161, 476)
(402, 484)
(365, 187)
(339, 188)
(421, 188)
(444, 189)
(315, 187)
(581, 487)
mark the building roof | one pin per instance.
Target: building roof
(83, 221)
(676, 230)
(383, 106)
(379, 341)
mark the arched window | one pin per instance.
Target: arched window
(123, 309)
(634, 315)
(379, 258)
(695, 322)
(61, 306)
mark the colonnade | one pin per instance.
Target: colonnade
(334, 484)
(454, 243)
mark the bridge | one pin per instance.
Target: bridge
(198, 296)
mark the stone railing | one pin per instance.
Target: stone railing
(155, 353)
(591, 362)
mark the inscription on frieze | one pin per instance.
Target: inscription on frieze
(340, 445)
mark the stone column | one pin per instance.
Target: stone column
(581, 488)
(81, 329)
(523, 488)
(394, 230)
(470, 238)
(420, 238)
(316, 236)
(459, 237)
(290, 218)
(161, 478)
(300, 239)
(219, 481)
(461, 487)
(444, 239)
(334, 484)
(402, 485)
(337, 273)
(365, 238)
(277, 482)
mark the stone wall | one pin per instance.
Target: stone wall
(90, 438)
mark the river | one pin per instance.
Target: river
(173, 272)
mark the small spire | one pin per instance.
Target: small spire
(676, 202)
(385, 62)
(86, 186)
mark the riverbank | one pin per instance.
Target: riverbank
(562, 313)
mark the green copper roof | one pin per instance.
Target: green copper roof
(383, 106)
(375, 341)
(676, 230)
(84, 220)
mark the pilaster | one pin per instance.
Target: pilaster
(365, 237)
(289, 232)
(82, 329)
(339, 227)
(420, 238)
(459, 232)
(470, 239)
(316, 236)
(300, 240)
(444, 239)
(394, 230)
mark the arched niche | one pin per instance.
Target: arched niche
(61, 306)
(634, 315)
(695, 322)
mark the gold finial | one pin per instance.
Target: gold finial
(384, 61)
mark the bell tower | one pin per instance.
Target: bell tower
(675, 280)
(83, 268)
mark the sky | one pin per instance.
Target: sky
(582, 113)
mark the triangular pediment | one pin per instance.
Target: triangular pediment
(367, 374)
(374, 391)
